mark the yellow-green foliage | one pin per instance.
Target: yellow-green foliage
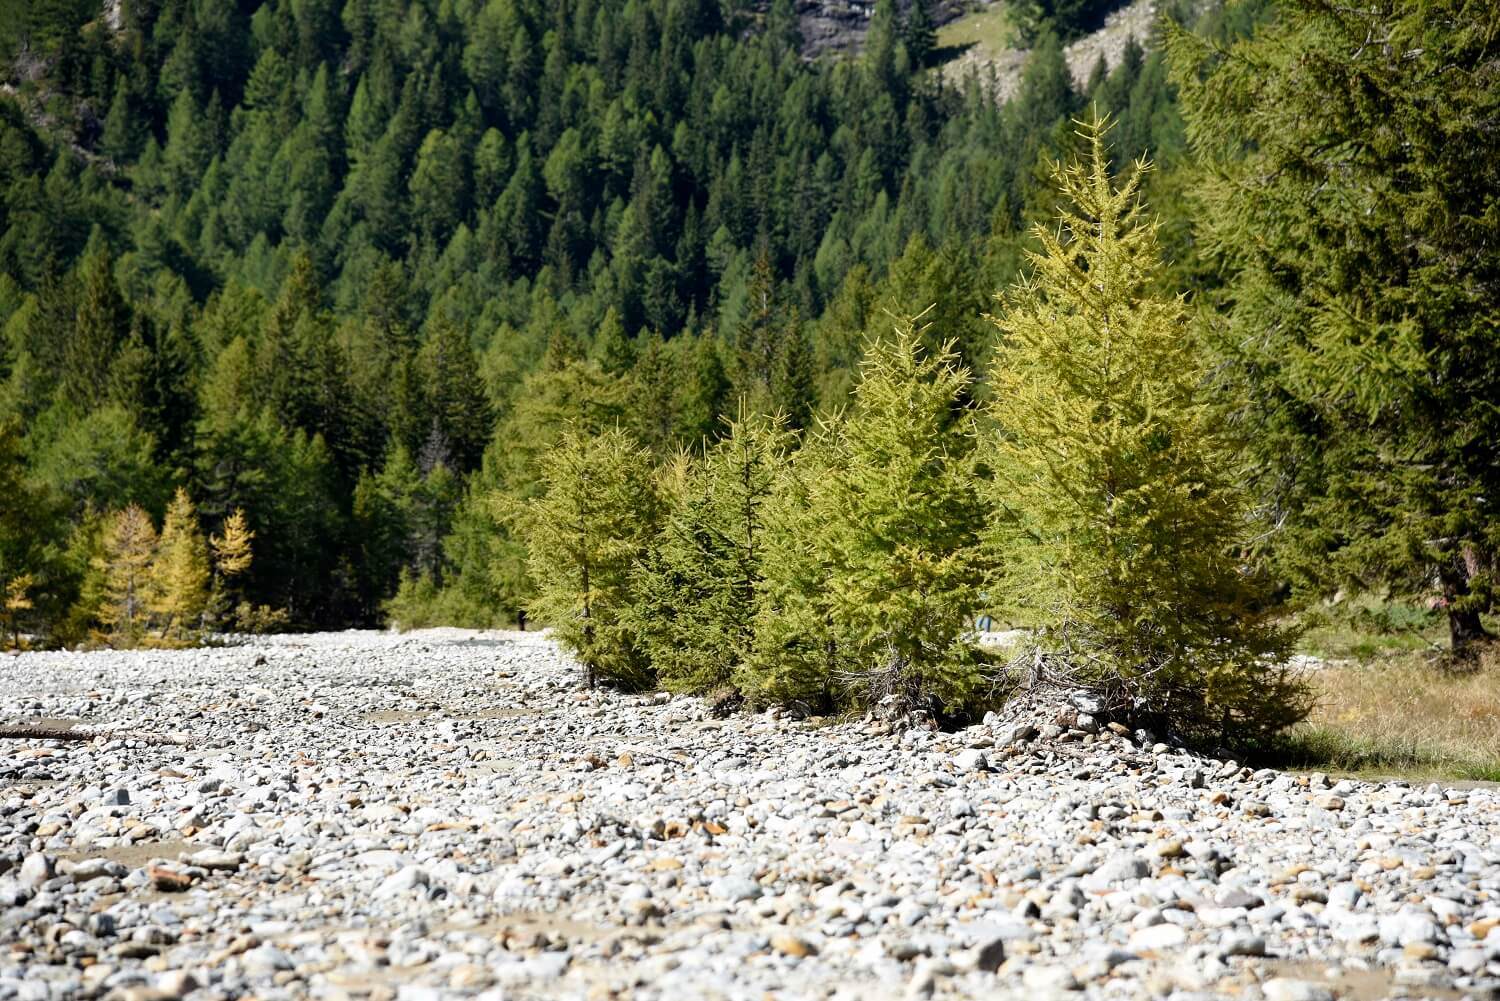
(179, 572)
(1124, 524)
(593, 520)
(898, 525)
(232, 555)
(795, 655)
(15, 598)
(697, 588)
(129, 547)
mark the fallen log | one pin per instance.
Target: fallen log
(32, 732)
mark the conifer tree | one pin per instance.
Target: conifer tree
(1348, 169)
(1123, 524)
(15, 598)
(231, 558)
(698, 587)
(179, 571)
(231, 550)
(901, 518)
(594, 519)
(456, 398)
(796, 654)
(102, 324)
(125, 563)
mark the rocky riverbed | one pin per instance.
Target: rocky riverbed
(449, 815)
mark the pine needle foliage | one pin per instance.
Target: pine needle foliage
(796, 655)
(179, 572)
(1123, 522)
(900, 521)
(698, 587)
(232, 554)
(129, 548)
(1347, 168)
(595, 517)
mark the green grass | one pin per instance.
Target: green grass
(1319, 748)
(989, 29)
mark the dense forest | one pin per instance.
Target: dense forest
(320, 287)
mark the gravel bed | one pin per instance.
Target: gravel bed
(447, 814)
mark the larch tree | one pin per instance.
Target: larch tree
(1348, 161)
(594, 519)
(796, 653)
(1122, 520)
(180, 573)
(698, 587)
(128, 550)
(900, 523)
(232, 556)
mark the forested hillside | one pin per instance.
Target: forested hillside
(297, 296)
(349, 267)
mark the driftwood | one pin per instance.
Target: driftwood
(25, 731)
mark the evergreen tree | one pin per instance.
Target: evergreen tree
(697, 590)
(901, 518)
(585, 532)
(179, 589)
(129, 548)
(918, 33)
(1124, 527)
(797, 655)
(1348, 185)
(102, 324)
(456, 400)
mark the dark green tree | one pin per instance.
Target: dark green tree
(1347, 187)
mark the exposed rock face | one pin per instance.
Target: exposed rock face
(840, 25)
(1133, 20)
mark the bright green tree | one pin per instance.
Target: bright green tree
(595, 518)
(1124, 523)
(698, 587)
(796, 655)
(900, 521)
(1349, 170)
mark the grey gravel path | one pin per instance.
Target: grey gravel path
(447, 814)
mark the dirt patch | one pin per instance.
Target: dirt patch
(509, 712)
(396, 716)
(414, 715)
(1351, 984)
(136, 855)
(52, 722)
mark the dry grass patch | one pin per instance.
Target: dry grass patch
(1402, 714)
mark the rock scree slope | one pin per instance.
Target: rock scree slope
(447, 814)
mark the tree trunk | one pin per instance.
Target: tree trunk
(1465, 630)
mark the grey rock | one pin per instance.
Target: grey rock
(401, 882)
(735, 888)
(1286, 989)
(35, 870)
